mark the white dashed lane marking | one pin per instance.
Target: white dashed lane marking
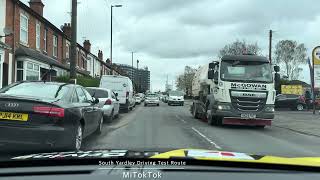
(182, 120)
(206, 138)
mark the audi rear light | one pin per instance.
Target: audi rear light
(50, 111)
(108, 102)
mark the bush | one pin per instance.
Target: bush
(81, 80)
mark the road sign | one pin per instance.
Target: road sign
(316, 56)
(316, 66)
(316, 73)
(292, 89)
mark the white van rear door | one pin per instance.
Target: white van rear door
(117, 85)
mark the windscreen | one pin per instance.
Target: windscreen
(98, 93)
(205, 72)
(176, 93)
(248, 71)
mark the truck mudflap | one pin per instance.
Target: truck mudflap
(249, 122)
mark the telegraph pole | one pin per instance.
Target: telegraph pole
(111, 36)
(270, 45)
(73, 73)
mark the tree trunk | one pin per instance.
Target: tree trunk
(287, 68)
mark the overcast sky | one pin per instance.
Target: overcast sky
(169, 34)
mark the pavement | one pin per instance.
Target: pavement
(304, 122)
(173, 127)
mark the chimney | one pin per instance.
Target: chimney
(87, 45)
(100, 55)
(37, 6)
(66, 28)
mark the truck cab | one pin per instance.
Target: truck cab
(241, 91)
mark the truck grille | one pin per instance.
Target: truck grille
(254, 104)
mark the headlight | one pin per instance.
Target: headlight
(269, 109)
(224, 107)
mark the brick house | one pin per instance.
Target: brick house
(36, 46)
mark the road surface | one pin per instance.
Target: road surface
(173, 127)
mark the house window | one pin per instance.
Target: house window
(19, 70)
(38, 36)
(67, 50)
(83, 63)
(55, 46)
(23, 29)
(45, 39)
(33, 71)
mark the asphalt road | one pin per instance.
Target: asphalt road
(173, 127)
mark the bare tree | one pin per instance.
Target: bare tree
(292, 55)
(238, 48)
(184, 80)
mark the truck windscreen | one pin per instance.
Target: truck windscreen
(247, 71)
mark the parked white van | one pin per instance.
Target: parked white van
(121, 85)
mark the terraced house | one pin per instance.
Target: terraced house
(30, 45)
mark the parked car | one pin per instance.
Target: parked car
(292, 101)
(121, 85)
(151, 99)
(48, 114)
(108, 102)
(142, 96)
(138, 99)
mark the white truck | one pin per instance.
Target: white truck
(237, 90)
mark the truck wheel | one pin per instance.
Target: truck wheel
(211, 121)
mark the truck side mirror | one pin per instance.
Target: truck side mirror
(212, 65)
(211, 74)
(276, 68)
(215, 77)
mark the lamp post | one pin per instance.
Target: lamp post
(138, 77)
(132, 74)
(112, 6)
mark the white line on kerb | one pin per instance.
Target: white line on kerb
(181, 119)
(206, 138)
